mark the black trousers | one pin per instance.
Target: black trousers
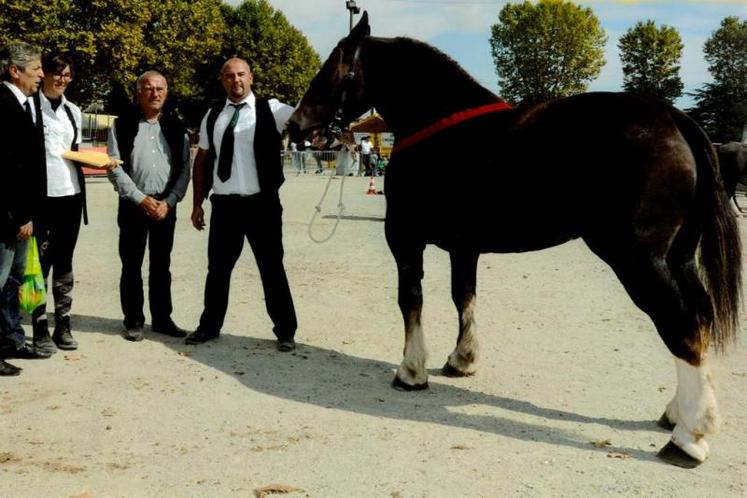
(259, 219)
(135, 231)
(57, 235)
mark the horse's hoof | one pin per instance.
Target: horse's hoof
(674, 455)
(401, 386)
(450, 371)
(665, 423)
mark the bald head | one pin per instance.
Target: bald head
(236, 77)
(148, 75)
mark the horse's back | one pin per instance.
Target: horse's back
(541, 175)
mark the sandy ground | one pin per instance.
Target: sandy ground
(567, 361)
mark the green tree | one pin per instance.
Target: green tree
(112, 41)
(721, 106)
(37, 22)
(650, 60)
(282, 61)
(549, 49)
(49, 24)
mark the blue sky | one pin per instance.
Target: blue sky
(461, 28)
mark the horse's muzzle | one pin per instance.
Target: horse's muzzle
(294, 131)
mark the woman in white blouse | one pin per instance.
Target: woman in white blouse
(58, 225)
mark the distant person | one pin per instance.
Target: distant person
(345, 156)
(239, 158)
(22, 189)
(373, 161)
(365, 150)
(381, 166)
(308, 154)
(154, 146)
(354, 169)
(58, 224)
(295, 157)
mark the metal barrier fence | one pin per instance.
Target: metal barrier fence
(310, 161)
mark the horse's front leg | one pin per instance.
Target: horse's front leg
(463, 360)
(411, 374)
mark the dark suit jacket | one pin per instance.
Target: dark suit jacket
(23, 184)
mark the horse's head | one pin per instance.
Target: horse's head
(335, 96)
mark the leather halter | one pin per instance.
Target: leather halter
(335, 127)
(447, 122)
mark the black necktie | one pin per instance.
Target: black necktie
(226, 145)
(27, 106)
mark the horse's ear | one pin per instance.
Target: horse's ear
(362, 29)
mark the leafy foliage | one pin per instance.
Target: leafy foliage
(549, 49)
(281, 58)
(650, 60)
(113, 41)
(721, 106)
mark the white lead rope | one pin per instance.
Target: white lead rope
(318, 210)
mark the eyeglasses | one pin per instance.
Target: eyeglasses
(63, 77)
(150, 89)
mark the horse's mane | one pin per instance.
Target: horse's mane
(430, 62)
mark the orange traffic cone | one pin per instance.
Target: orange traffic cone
(371, 186)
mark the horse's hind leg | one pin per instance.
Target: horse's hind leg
(693, 411)
(411, 374)
(673, 296)
(463, 360)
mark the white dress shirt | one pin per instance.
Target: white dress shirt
(62, 177)
(243, 180)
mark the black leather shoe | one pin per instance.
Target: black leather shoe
(169, 328)
(28, 352)
(286, 345)
(134, 334)
(8, 370)
(201, 336)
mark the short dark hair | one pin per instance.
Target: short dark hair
(56, 62)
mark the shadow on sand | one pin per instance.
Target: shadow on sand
(362, 385)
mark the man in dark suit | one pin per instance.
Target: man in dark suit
(239, 158)
(22, 189)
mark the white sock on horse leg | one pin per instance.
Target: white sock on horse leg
(697, 410)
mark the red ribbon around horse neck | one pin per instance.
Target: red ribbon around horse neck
(447, 122)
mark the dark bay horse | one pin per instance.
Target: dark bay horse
(636, 179)
(732, 158)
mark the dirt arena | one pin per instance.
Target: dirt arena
(572, 378)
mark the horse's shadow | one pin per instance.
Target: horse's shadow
(335, 380)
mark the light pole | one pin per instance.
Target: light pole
(354, 9)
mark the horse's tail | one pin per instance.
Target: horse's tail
(720, 246)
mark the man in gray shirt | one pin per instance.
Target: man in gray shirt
(153, 147)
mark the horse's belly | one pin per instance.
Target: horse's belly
(507, 233)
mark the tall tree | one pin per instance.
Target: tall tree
(721, 106)
(549, 49)
(651, 60)
(282, 60)
(114, 40)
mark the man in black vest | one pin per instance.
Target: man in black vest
(154, 149)
(239, 158)
(22, 189)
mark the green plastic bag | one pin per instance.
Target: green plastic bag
(32, 291)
